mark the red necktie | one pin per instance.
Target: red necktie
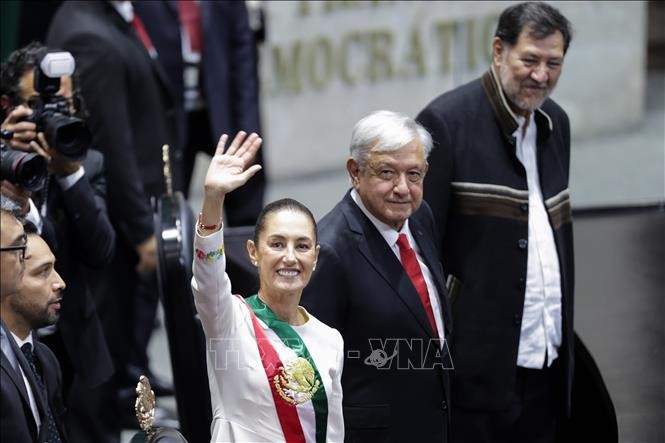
(190, 18)
(138, 26)
(412, 268)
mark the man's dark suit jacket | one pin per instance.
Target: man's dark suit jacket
(130, 106)
(360, 288)
(17, 423)
(86, 240)
(229, 81)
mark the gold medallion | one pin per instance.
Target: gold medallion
(296, 382)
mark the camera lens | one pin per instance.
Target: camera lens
(24, 169)
(68, 135)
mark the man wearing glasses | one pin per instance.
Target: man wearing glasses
(32, 407)
(72, 204)
(12, 257)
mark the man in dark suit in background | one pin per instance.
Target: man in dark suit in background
(32, 407)
(380, 283)
(131, 116)
(209, 53)
(498, 188)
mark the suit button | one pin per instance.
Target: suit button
(517, 319)
(522, 243)
(444, 405)
(524, 207)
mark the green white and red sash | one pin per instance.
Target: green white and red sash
(273, 366)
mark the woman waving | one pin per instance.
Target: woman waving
(274, 369)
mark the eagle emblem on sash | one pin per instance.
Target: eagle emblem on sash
(296, 382)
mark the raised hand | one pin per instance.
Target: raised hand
(231, 169)
(227, 171)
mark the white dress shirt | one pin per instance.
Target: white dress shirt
(541, 319)
(391, 236)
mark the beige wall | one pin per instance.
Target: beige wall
(324, 65)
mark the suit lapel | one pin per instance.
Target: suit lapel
(36, 390)
(379, 255)
(429, 254)
(13, 373)
(51, 382)
(127, 28)
(163, 79)
(16, 377)
(206, 26)
(173, 9)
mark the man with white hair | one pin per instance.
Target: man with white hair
(380, 283)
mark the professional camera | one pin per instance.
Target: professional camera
(69, 135)
(22, 168)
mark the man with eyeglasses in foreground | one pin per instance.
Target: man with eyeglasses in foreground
(31, 406)
(12, 263)
(379, 282)
(72, 203)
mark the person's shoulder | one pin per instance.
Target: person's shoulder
(332, 223)
(46, 352)
(83, 24)
(93, 157)
(554, 110)
(452, 100)
(324, 330)
(423, 216)
(75, 17)
(558, 118)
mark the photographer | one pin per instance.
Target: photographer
(132, 115)
(38, 109)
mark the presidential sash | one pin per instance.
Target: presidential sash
(293, 383)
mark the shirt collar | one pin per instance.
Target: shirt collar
(387, 232)
(520, 123)
(502, 94)
(20, 342)
(125, 9)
